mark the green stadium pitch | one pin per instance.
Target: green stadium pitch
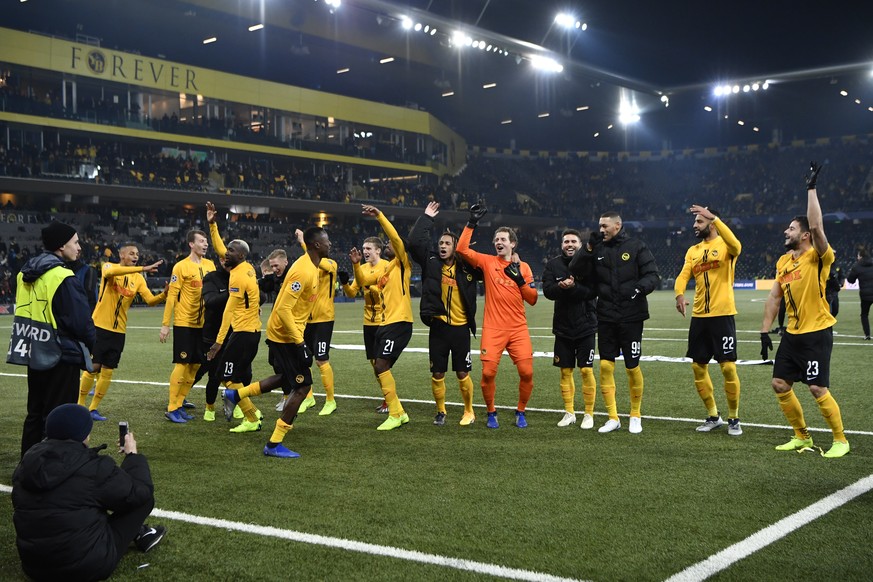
(468, 503)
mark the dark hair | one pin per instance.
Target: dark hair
(572, 231)
(612, 214)
(863, 252)
(714, 212)
(312, 233)
(803, 221)
(375, 241)
(129, 243)
(509, 232)
(193, 233)
(449, 233)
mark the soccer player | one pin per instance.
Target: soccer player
(119, 286)
(448, 308)
(804, 353)
(625, 272)
(215, 296)
(713, 331)
(395, 323)
(185, 307)
(242, 313)
(508, 285)
(289, 356)
(319, 331)
(574, 325)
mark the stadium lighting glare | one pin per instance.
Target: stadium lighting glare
(583, 108)
(427, 28)
(255, 27)
(210, 40)
(566, 20)
(386, 60)
(448, 93)
(542, 115)
(596, 134)
(458, 38)
(417, 27)
(489, 85)
(870, 109)
(766, 85)
(741, 122)
(489, 47)
(475, 44)
(546, 64)
(628, 113)
(481, 45)
(405, 22)
(333, 3)
(707, 108)
(433, 31)
(747, 88)
(468, 41)
(735, 89)
(755, 129)
(755, 86)
(844, 93)
(610, 126)
(506, 122)
(584, 26)
(341, 71)
(858, 101)
(665, 100)
(717, 91)
(726, 89)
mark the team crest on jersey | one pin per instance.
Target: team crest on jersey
(469, 277)
(625, 256)
(299, 379)
(183, 355)
(484, 351)
(557, 359)
(714, 253)
(173, 279)
(295, 286)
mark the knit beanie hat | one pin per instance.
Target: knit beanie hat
(56, 235)
(68, 421)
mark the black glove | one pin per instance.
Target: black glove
(343, 277)
(304, 358)
(636, 293)
(595, 238)
(766, 345)
(477, 211)
(513, 271)
(814, 169)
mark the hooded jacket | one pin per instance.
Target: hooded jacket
(61, 492)
(575, 308)
(620, 267)
(431, 305)
(69, 306)
(862, 272)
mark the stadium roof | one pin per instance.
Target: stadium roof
(641, 53)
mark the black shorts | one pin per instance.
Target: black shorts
(284, 361)
(188, 345)
(370, 341)
(108, 347)
(237, 354)
(392, 339)
(571, 353)
(805, 357)
(317, 336)
(712, 338)
(625, 339)
(444, 339)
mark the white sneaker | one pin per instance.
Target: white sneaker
(734, 428)
(635, 425)
(610, 426)
(569, 418)
(280, 406)
(587, 422)
(711, 423)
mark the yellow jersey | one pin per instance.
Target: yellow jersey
(217, 243)
(119, 286)
(452, 297)
(803, 283)
(374, 303)
(712, 263)
(395, 282)
(184, 302)
(294, 303)
(243, 308)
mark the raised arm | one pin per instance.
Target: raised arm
(220, 249)
(813, 211)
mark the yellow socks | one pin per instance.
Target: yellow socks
(103, 381)
(280, 431)
(731, 388)
(177, 380)
(466, 386)
(607, 387)
(389, 390)
(85, 384)
(635, 383)
(830, 410)
(703, 383)
(190, 374)
(326, 379)
(438, 387)
(589, 389)
(250, 390)
(794, 413)
(568, 389)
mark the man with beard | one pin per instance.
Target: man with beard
(574, 325)
(624, 272)
(509, 283)
(448, 308)
(804, 353)
(713, 331)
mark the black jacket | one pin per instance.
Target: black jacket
(575, 308)
(270, 283)
(420, 247)
(70, 308)
(61, 492)
(862, 272)
(619, 267)
(215, 294)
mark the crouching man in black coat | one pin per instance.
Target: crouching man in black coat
(62, 493)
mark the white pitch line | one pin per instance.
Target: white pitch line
(356, 546)
(530, 408)
(772, 533)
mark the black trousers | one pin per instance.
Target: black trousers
(46, 390)
(865, 316)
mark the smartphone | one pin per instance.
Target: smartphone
(122, 432)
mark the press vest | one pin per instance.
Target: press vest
(34, 341)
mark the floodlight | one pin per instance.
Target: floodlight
(746, 88)
(844, 93)
(482, 45)
(726, 89)
(717, 91)
(255, 27)
(458, 38)
(475, 44)
(565, 19)
(628, 113)
(209, 40)
(433, 31)
(707, 108)
(741, 122)
(506, 122)
(735, 89)
(417, 26)
(333, 3)
(405, 22)
(858, 101)
(596, 134)
(766, 85)
(584, 26)
(546, 64)
(755, 86)
(427, 27)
